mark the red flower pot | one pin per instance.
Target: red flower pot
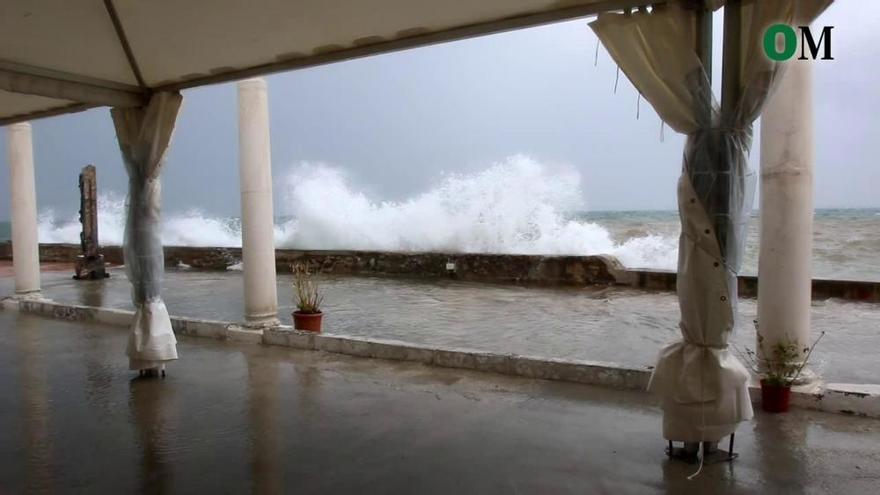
(775, 398)
(309, 322)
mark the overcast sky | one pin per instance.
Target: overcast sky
(395, 123)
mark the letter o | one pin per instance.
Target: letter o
(789, 45)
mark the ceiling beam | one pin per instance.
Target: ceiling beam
(18, 78)
(62, 110)
(123, 41)
(454, 34)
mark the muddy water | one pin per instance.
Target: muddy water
(616, 325)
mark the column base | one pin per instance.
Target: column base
(261, 321)
(31, 295)
(806, 378)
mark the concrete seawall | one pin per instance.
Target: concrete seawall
(576, 271)
(853, 399)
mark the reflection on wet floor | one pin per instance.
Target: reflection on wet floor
(245, 418)
(613, 325)
(34, 401)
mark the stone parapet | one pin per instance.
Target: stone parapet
(574, 271)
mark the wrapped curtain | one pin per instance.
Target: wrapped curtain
(144, 134)
(703, 388)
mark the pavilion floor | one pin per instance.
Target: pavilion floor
(233, 418)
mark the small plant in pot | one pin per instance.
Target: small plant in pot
(779, 366)
(308, 299)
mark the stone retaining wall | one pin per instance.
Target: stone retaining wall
(576, 271)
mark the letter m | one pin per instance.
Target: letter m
(807, 41)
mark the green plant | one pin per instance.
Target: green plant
(780, 365)
(306, 292)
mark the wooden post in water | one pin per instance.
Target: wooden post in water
(90, 264)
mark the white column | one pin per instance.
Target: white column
(257, 219)
(785, 263)
(23, 193)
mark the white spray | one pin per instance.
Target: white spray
(516, 206)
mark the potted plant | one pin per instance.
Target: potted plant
(308, 298)
(779, 368)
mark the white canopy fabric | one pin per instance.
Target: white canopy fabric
(58, 56)
(702, 386)
(144, 135)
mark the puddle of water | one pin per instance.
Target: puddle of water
(622, 326)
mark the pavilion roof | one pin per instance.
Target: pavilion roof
(61, 56)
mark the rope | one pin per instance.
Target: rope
(616, 79)
(596, 57)
(638, 106)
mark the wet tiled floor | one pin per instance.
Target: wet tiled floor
(235, 418)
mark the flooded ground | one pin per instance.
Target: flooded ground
(233, 418)
(614, 325)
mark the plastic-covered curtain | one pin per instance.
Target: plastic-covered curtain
(703, 388)
(144, 134)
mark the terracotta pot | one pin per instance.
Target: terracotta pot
(775, 398)
(309, 322)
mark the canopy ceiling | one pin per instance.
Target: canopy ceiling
(60, 56)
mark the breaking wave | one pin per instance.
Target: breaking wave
(192, 228)
(515, 206)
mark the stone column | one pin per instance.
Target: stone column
(257, 219)
(23, 194)
(785, 263)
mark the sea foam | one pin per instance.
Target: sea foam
(516, 206)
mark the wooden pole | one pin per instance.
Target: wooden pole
(90, 264)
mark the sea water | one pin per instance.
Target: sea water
(516, 206)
